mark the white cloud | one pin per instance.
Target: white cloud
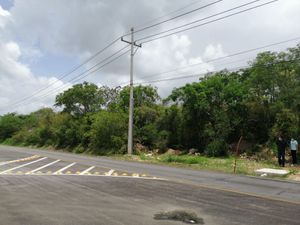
(4, 15)
(213, 51)
(167, 55)
(17, 80)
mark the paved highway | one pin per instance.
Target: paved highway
(47, 187)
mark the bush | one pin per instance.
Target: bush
(108, 132)
(78, 149)
(9, 125)
(217, 148)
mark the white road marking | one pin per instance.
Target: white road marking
(26, 164)
(87, 170)
(110, 172)
(19, 160)
(90, 175)
(42, 167)
(66, 167)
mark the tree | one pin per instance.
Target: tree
(171, 122)
(143, 96)
(212, 110)
(9, 124)
(286, 124)
(108, 132)
(81, 99)
(67, 131)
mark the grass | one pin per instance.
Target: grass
(243, 166)
(226, 164)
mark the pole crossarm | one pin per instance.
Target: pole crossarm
(134, 43)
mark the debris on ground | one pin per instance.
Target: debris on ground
(179, 215)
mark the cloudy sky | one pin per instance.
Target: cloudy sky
(41, 41)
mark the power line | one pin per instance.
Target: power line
(81, 77)
(85, 73)
(77, 78)
(175, 17)
(183, 73)
(223, 57)
(202, 24)
(218, 65)
(68, 73)
(202, 19)
(170, 13)
(194, 75)
(230, 70)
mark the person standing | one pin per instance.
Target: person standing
(294, 148)
(281, 146)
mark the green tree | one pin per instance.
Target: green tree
(171, 122)
(81, 99)
(143, 96)
(212, 109)
(286, 124)
(108, 132)
(9, 124)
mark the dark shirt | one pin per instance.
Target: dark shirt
(281, 144)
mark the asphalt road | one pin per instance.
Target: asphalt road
(39, 187)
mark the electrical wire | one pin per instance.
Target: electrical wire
(229, 70)
(221, 58)
(68, 73)
(202, 24)
(168, 14)
(85, 73)
(175, 17)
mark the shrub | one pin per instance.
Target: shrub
(108, 132)
(217, 148)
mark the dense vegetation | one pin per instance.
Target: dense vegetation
(257, 103)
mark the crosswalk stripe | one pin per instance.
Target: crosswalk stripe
(87, 170)
(26, 164)
(63, 169)
(42, 167)
(19, 160)
(110, 172)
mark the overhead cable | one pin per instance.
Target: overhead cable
(175, 17)
(202, 24)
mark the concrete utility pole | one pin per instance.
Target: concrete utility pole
(130, 123)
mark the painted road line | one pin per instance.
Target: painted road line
(26, 164)
(90, 175)
(63, 169)
(19, 160)
(110, 172)
(42, 167)
(87, 170)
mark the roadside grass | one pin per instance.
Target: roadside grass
(226, 164)
(243, 166)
